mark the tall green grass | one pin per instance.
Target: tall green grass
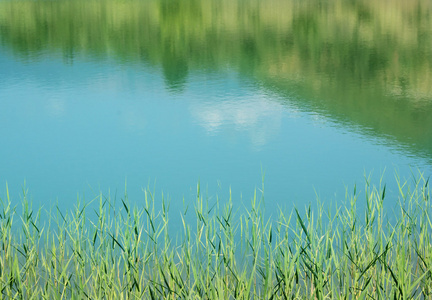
(124, 251)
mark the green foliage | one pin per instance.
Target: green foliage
(127, 252)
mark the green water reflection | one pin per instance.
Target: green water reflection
(365, 64)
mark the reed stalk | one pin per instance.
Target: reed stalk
(108, 250)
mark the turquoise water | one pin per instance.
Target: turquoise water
(72, 128)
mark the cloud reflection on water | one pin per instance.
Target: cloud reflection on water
(255, 114)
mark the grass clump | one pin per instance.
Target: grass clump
(128, 252)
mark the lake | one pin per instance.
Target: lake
(308, 97)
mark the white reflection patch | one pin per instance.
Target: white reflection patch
(255, 115)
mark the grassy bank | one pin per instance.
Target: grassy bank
(123, 251)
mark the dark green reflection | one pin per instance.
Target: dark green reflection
(175, 70)
(366, 63)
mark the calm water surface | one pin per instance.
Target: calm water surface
(311, 94)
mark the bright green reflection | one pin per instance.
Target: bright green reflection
(365, 63)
